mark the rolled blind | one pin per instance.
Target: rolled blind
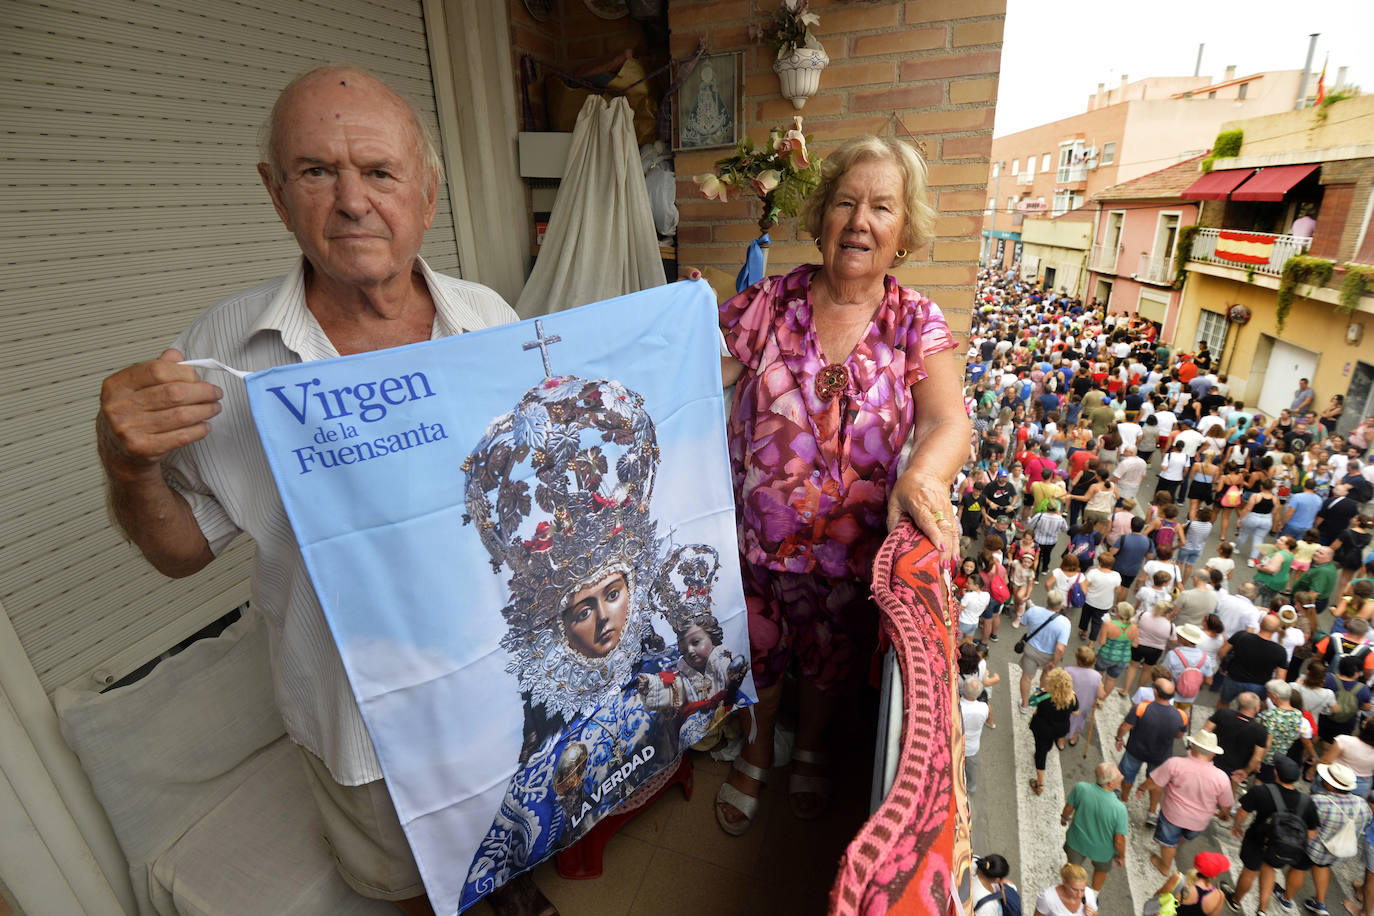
(131, 203)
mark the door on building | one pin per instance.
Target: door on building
(1049, 278)
(1359, 398)
(1166, 233)
(1287, 364)
(1102, 292)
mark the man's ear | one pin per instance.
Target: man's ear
(269, 181)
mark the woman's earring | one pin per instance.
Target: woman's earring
(901, 254)
(818, 243)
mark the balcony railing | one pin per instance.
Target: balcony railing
(1025, 178)
(1068, 174)
(1262, 252)
(1155, 269)
(1104, 259)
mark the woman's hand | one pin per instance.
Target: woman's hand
(925, 498)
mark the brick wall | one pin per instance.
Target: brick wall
(923, 70)
(1359, 174)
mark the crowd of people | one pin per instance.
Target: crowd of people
(1242, 578)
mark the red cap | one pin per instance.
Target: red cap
(1211, 864)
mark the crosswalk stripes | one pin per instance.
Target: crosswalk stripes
(1041, 837)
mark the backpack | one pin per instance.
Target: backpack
(1231, 498)
(1287, 840)
(1347, 701)
(1165, 536)
(1346, 841)
(1008, 897)
(1077, 597)
(1189, 679)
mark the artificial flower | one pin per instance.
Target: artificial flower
(713, 187)
(766, 181)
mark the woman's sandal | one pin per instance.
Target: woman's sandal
(820, 786)
(746, 805)
(1036, 787)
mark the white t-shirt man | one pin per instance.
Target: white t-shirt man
(975, 715)
(1129, 433)
(1237, 613)
(1167, 420)
(1191, 439)
(1130, 474)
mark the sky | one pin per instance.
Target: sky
(1053, 59)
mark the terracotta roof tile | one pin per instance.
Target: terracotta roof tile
(1167, 183)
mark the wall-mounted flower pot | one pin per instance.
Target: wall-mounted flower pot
(799, 73)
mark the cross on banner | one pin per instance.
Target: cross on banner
(542, 343)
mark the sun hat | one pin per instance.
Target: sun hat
(1191, 632)
(1337, 775)
(1287, 615)
(1205, 741)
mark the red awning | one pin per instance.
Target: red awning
(1216, 185)
(1275, 181)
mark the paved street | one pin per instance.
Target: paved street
(1010, 819)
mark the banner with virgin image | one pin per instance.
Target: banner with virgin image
(523, 539)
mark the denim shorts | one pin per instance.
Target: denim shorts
(1170, 834)
(1188, 556)
(1130, 767)
(1111, 669)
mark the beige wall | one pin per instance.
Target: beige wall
(1347, 123)
(1311, 324)
(925, 70)
(1061, 233)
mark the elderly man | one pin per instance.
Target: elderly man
(1146, 738)
(1129, 473)
(355, 179)
(1099, 824)
(1192, 791)
(1251, 659)
(1242, 736)
(974, 713)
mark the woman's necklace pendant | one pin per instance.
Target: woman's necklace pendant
(831, 381)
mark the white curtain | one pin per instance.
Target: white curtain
(601, 241)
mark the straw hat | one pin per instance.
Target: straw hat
(1205, 741)
(1192, 633)
(1337, 775)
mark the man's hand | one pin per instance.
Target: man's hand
(147, 411)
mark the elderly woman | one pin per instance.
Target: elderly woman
(837, 364)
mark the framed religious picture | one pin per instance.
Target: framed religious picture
(710, 103)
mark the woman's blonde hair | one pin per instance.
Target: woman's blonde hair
(1060, 685)
(1124, 611)
(919, 224)
(1071, 872)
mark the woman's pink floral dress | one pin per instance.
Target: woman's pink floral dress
(812, 476)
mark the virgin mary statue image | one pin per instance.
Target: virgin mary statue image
(559, 491)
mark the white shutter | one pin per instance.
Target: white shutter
(131, 203)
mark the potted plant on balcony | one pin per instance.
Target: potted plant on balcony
(800, 57)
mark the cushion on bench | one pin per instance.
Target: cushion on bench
(193, 768)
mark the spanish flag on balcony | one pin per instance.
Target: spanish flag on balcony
(1244, 247)
(1321, 82)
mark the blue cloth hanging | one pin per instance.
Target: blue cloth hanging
(752, 271)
